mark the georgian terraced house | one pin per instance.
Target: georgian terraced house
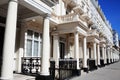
(53, 38)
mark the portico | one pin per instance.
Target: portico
(94, 49)
(10, 34)
(72, 37)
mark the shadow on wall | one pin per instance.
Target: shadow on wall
(2, 30)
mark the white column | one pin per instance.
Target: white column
(84, 53)
(115, 55)
(98, 49)
(111, 52)
(108, 55)
(103, 52)
(76, 53)
(88, 53)
(9, 41)
(105, 56)
(21, 49)
(45, 48)
(56, 51)
(112, 55)
(94, 49)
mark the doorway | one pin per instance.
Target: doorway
(62, 50)
(2, 30)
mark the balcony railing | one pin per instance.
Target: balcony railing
(54, 17)
(79, 9)
(69, 18)
(73, 17)
(93, 33)
(87, 16)
(91, 21)
(102, 40)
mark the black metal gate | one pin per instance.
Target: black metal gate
(67, 68)
(31, 65)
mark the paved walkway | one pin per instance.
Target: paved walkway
(110, 72)
(23, 77)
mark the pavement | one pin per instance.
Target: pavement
(109, 72)
(23, 77)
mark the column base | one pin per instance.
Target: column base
(96, 67)
(99, 65)
(44, 77)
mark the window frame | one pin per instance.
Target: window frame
(39, 40)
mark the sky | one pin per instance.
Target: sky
(111, 9)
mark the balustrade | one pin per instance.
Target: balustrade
(31, 65)
(93, 33)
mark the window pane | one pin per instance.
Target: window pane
(29, 48)
(29, 33)
(35, 53)
(36, 35)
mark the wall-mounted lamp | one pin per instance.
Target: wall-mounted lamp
(54, 28)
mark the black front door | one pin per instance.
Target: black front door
(62, 50)
(2, 30)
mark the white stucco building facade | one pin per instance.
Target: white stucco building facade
(115, 38)
(36, 32)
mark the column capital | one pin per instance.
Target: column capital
(94, 42)
(103, 45)
(76, 29)
(76, 32)
(98, 44)
(55, 34)
(46, 15)
(84, 36)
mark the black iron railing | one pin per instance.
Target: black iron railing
(31, 65)
(102, 62)
(52, 68)
(107, 61)
(67, 68)
(91, 64)
(81, 63)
